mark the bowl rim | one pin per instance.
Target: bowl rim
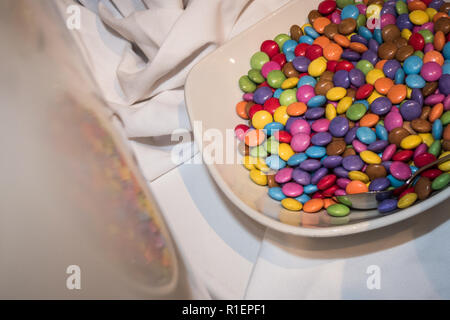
(338, 230)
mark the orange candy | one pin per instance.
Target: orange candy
(416, 5)
(369, 120)
(332, 52)
(240, 109)
(328, 202)
(296, 109)
(341, 40)
(439, 40)
(313, 205)
(397, 93)
(380, 64)
(320, 23)
(439, 15)
(358, 47)
(322, 41)
(356, 186)
(383, 85)
(436, 112)
(434, 56)
(254, 138)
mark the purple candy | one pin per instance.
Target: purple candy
(331, 162)
(358, 38)
(379, 184)
(301, 177)
(436, 4)
(352, 163)
(357, 77)
(310, 165)
(301, 63)
(387, 205)
(341, 79)
(403, 22)
(343, 182)
(351, 135)
(373, 45)
(314, 113)
(416, 95)
(410, 110)
(262, 94)
(370, 56)
(340, 172)
(350, 55)
(421, 148)
(386, 164)
(378, 146)
(319, 174)
(381, 106)
(338, 126)
(390, 68)
(444, 84)
(321, 139)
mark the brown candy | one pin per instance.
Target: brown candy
(349, 152)
(378, 2)
(296, 32)
(404, 52)
(330, 30)
(401, 42)
(376, 171)
(390, 33)
(351, 124)
(289, 70)
(387, 50)
(397, 135)
(430, 88)
(446, 134)
(423, 188)
(407, 126)
(446, 145)
(327, 75)
(445, 7)
(271, 181)
(442, 24)
(425, 112)
(313, 15)
(248, 106)
(421, 125)
(351, 93)
(347, 26)
(322, 87)
(336, 148)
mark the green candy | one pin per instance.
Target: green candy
(281, 39)
(441, 181)
(258, 60)
(246, 84)
(445, 118)
(401, 7)
(271, 145)
(338, 210)
(258, 152)
(275, 78)
(287, 97)
(419, 54)
(364, 65)
(427, 35)
(435, 148)
(356, 111)
(255, 76)
(345, 200)
(342, 3)
(361, 21)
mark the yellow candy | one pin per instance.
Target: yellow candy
(406, 33)
(258, 177)
(304, 26)
(285, 151)
(373, 11)
(445, 166)
(427, 138)
(408, 92)
(411, 142)
(344, 104)
(336, 93)
(291, 204)
(374, 95)
(373, 75)
(261, 118)
(419, 17)
(407, 200)
(317, 67)
(330, 112)
(289, 83)
(430, 12)
(261, 165)
(370, 157)
(249, 162)
(358, 175)
(280, 115)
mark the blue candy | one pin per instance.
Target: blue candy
(289, 46)
(446, 50)
(437, 129)
(366, 135)
(350, 11)
(399, 77)
(316, 152)
(311, 32)
(275, 162)
(306, 39)
(381, 132)
(377, 36)
(306, 80)
(316, 101)
(412, 65)
(395, 182)
(364, 32)
(273, 127)
(290, 56)
(310, 188)
(415, 81)
(276, 193)
(303, 198)
(296, 159)
(277, 93)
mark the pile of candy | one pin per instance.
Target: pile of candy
(356, 100)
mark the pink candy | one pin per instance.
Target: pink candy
(300, 126)
(388, 152)
(400, 170)
(284, 175)
(300, 142)
(393, 120)
(292, 189)
(305, 93)
(269, 66)
(321, 125)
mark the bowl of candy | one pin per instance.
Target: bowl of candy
(329, 101)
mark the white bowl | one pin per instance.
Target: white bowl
(212, 92)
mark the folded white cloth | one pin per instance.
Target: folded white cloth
(140, 52)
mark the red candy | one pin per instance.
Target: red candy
(300, 49)
(313, 52)
(280, 58)
(330, 191)
(431, 173)
(364, 91)
(417, 41)
(403, 155)
(317, 195)
(423, 159)
(270, 47)
(326, 182)
(240, 131)
(254, 109)
(344, 65)
(331, 65)
(271, 105)
(409, 190)
(327, 7)
(282, 136)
